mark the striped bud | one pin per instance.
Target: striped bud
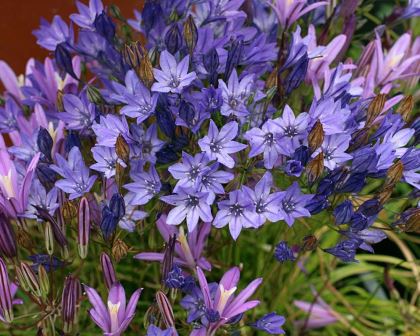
(29, 279)
(394, 174)
(405, 107)
(121, 149)
(59, 101)
(146, 70)
(7, 238)
(94, 95)
(375, 108)
(316, 136)
(132, 54)
(315, 168)
(190, 33)
(108, 270)
(44, 281)
(49, 238)
(119, 250)
(84, 227)
(6, 306)
(165, 309)
(72, 292)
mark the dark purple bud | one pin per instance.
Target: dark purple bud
(167, 154)
(104, 26)
(109, 222)
(72, 293)
(7, 238)
(63, 59)
(108, 270)
(45, 143)
(234, 57)
(46, 175)
(164, 116)
(364, 160)
(354, 183)
(72, 139)
(317, 204)
(165, 309)
(187, 112)
(211, 64)
(293, 168)
(173, 39)
(117, 205)
(270, 323)
(57, 231)
(168, 257)
(370, 207)
(152, 13)
(358, 222)
(411, 159)
(302, 154)
(297, 75)
(283, 252)
(346, 249)
(325, 187)
(84, 227)
(6, 306)
(45, 260)
(343, 212)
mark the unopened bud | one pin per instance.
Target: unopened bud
(146, 70)
(315, 168)
(394, 174)
(190, 33)
(119, 249)
(316, 136)
(405, 107)
(29, 279)
(375, 108)
(84, 227)
(108, 270)
(6, 306)
(165, 309)
(122, 149)
(49, 238)
(72, 292)
(94, 95)
(44, 281)
(309, 243)
(59, 101)
(7, 238)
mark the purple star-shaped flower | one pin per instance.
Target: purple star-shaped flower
(212, 180)
(218, 145)
(109, 128)
(49, 35)
(189, 204)
(172, 77)
(238, 212)
(78, 114)
(87, 15)
(106, 160)
(334, 147)
(292, 204)
(145, 186)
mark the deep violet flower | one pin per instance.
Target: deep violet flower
(144, 187)
(106, 160)
(87, 15)
(49, 35)
(188, 248)
(221, 305)
(270, 323)
(173, 76)
(190, 205)
(334, 147)
(115, 317)
(292, 204)
(219, 144)
(283, 252)
(76, 180)
(79, 113)
(14, 190)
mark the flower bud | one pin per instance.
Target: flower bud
(44, 281)
(309, 243)
(375, 108)
(6, 306)
(145, 71)
(72, 292)
(119, 250)
(343, 212)
(234, 57)
(49, 238)
(315, 168)
(190, 33)
(72, 139)
(117, 205)
(29, 279)
(94, 95)
(63, 59)
(45, 143)
(108, 270)
(120, 174)
(84, 227)
(165, 309)
(7, 238)
(121, 149)
(173, 39)
(132, 54)
(46, 175)
(316, 136)
(104, 26)
(394, 174)
(297, 75)
(405, 107)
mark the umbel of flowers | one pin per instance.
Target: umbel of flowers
(187, 118)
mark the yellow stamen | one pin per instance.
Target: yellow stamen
(113, 309)
(6, 181)
(224, 297)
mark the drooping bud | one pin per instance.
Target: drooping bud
(72, 140)
(117, 205)
(72, 292)
(49, 238)
(84, 227)
(316, 136)
(186, 112)
(45, 143)
(297, 75)
(375, 108)
(168, 257)
(119, 250)
(46, 175)
(57, 231)
(121, 149)
(405, 107)
(190, 33)
(315, 168)
(165, 309)
(7, 238)
(6, 305)
(108, 270)
(173, 39)
(44, 282)
(63, 59)
(29, 280)
(104, 26)
(108, 223)
(211, 64)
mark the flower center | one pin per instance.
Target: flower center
(289, 206)
(236, 210)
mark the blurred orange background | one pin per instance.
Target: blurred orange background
(18, 18)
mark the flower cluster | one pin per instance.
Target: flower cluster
(230, 114)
